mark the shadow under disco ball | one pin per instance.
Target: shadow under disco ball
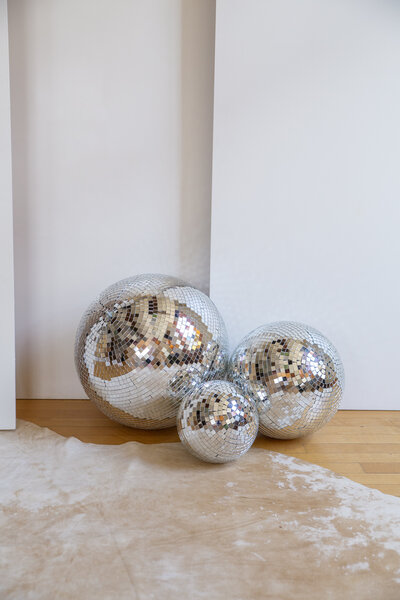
(294, 374)
(216, 422)
(143, 343)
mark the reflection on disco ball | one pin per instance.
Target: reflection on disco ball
(144, 343)
(217, 423)
(294, 374)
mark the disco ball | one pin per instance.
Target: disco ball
(294, 374)
(143, 344)
(217, 423)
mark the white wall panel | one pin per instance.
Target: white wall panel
(112, 135)
(7, 350)
(306, 178)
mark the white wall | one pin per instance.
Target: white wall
(112, 132)
(306, 178)
(7, 354)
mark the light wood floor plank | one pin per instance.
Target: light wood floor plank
(381, 467)
(360, 448)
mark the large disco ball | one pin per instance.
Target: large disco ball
(144, 343)
(294, 374)
(217, 423)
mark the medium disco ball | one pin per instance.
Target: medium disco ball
(217, 423)
(294, 374)
(143, 344)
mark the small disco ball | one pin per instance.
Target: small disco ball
(143, 344)
(294, 374)
(217, 423)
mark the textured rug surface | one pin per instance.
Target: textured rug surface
(137, 521)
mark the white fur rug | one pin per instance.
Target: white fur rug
(84, 521)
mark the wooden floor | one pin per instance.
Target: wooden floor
(362, 445)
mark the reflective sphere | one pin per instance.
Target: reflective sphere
(217, 423)
(294, 374)
(144, 343)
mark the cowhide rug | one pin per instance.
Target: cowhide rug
(135, 521)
